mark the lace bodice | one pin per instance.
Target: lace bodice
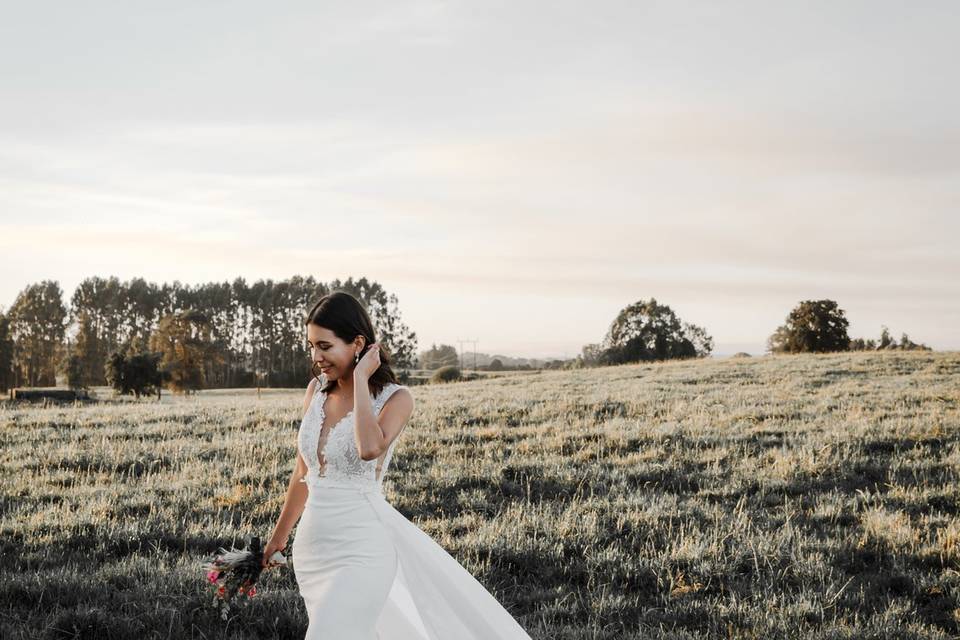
(331, 455)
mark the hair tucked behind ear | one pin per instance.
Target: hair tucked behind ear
(346, 317)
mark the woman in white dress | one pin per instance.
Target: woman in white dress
(364, 571)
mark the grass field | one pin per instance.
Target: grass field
(774, 497)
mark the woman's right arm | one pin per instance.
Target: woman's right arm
(296, 498)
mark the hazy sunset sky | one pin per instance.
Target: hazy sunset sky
(516, 172)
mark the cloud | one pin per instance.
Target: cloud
(626, 196)
(484, 152)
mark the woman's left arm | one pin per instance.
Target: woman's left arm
(375, 434)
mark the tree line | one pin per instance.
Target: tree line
(820, 326)
(648, 330)
(137, 336)
(218, 334)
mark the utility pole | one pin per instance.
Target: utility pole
(474, 341)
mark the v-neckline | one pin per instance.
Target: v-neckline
(323, 413)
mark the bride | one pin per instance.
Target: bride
(364, 571)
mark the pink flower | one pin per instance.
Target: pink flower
(252, 592)
(213, 575)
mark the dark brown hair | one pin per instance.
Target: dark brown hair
(346, 317)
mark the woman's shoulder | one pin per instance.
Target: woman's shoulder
(391, 389)
(308, 397)
(395, 390)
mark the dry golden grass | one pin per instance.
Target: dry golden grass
(791, 496)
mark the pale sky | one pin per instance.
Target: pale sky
(516, 172)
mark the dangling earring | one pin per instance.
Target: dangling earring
(356, 358)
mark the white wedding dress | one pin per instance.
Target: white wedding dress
(364, 571)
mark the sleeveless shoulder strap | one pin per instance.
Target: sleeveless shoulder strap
(385, 394)
(378, 403)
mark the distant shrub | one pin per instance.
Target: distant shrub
(742, 354)
(887, 342)
(647, 330)
(448, 373)
(76, 375)
(813, 326)
(859, 344)
(139, 374)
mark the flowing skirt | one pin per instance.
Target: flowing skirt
(365, 572)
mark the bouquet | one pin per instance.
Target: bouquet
(235, 573)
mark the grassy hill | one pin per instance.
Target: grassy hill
(791, 496)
